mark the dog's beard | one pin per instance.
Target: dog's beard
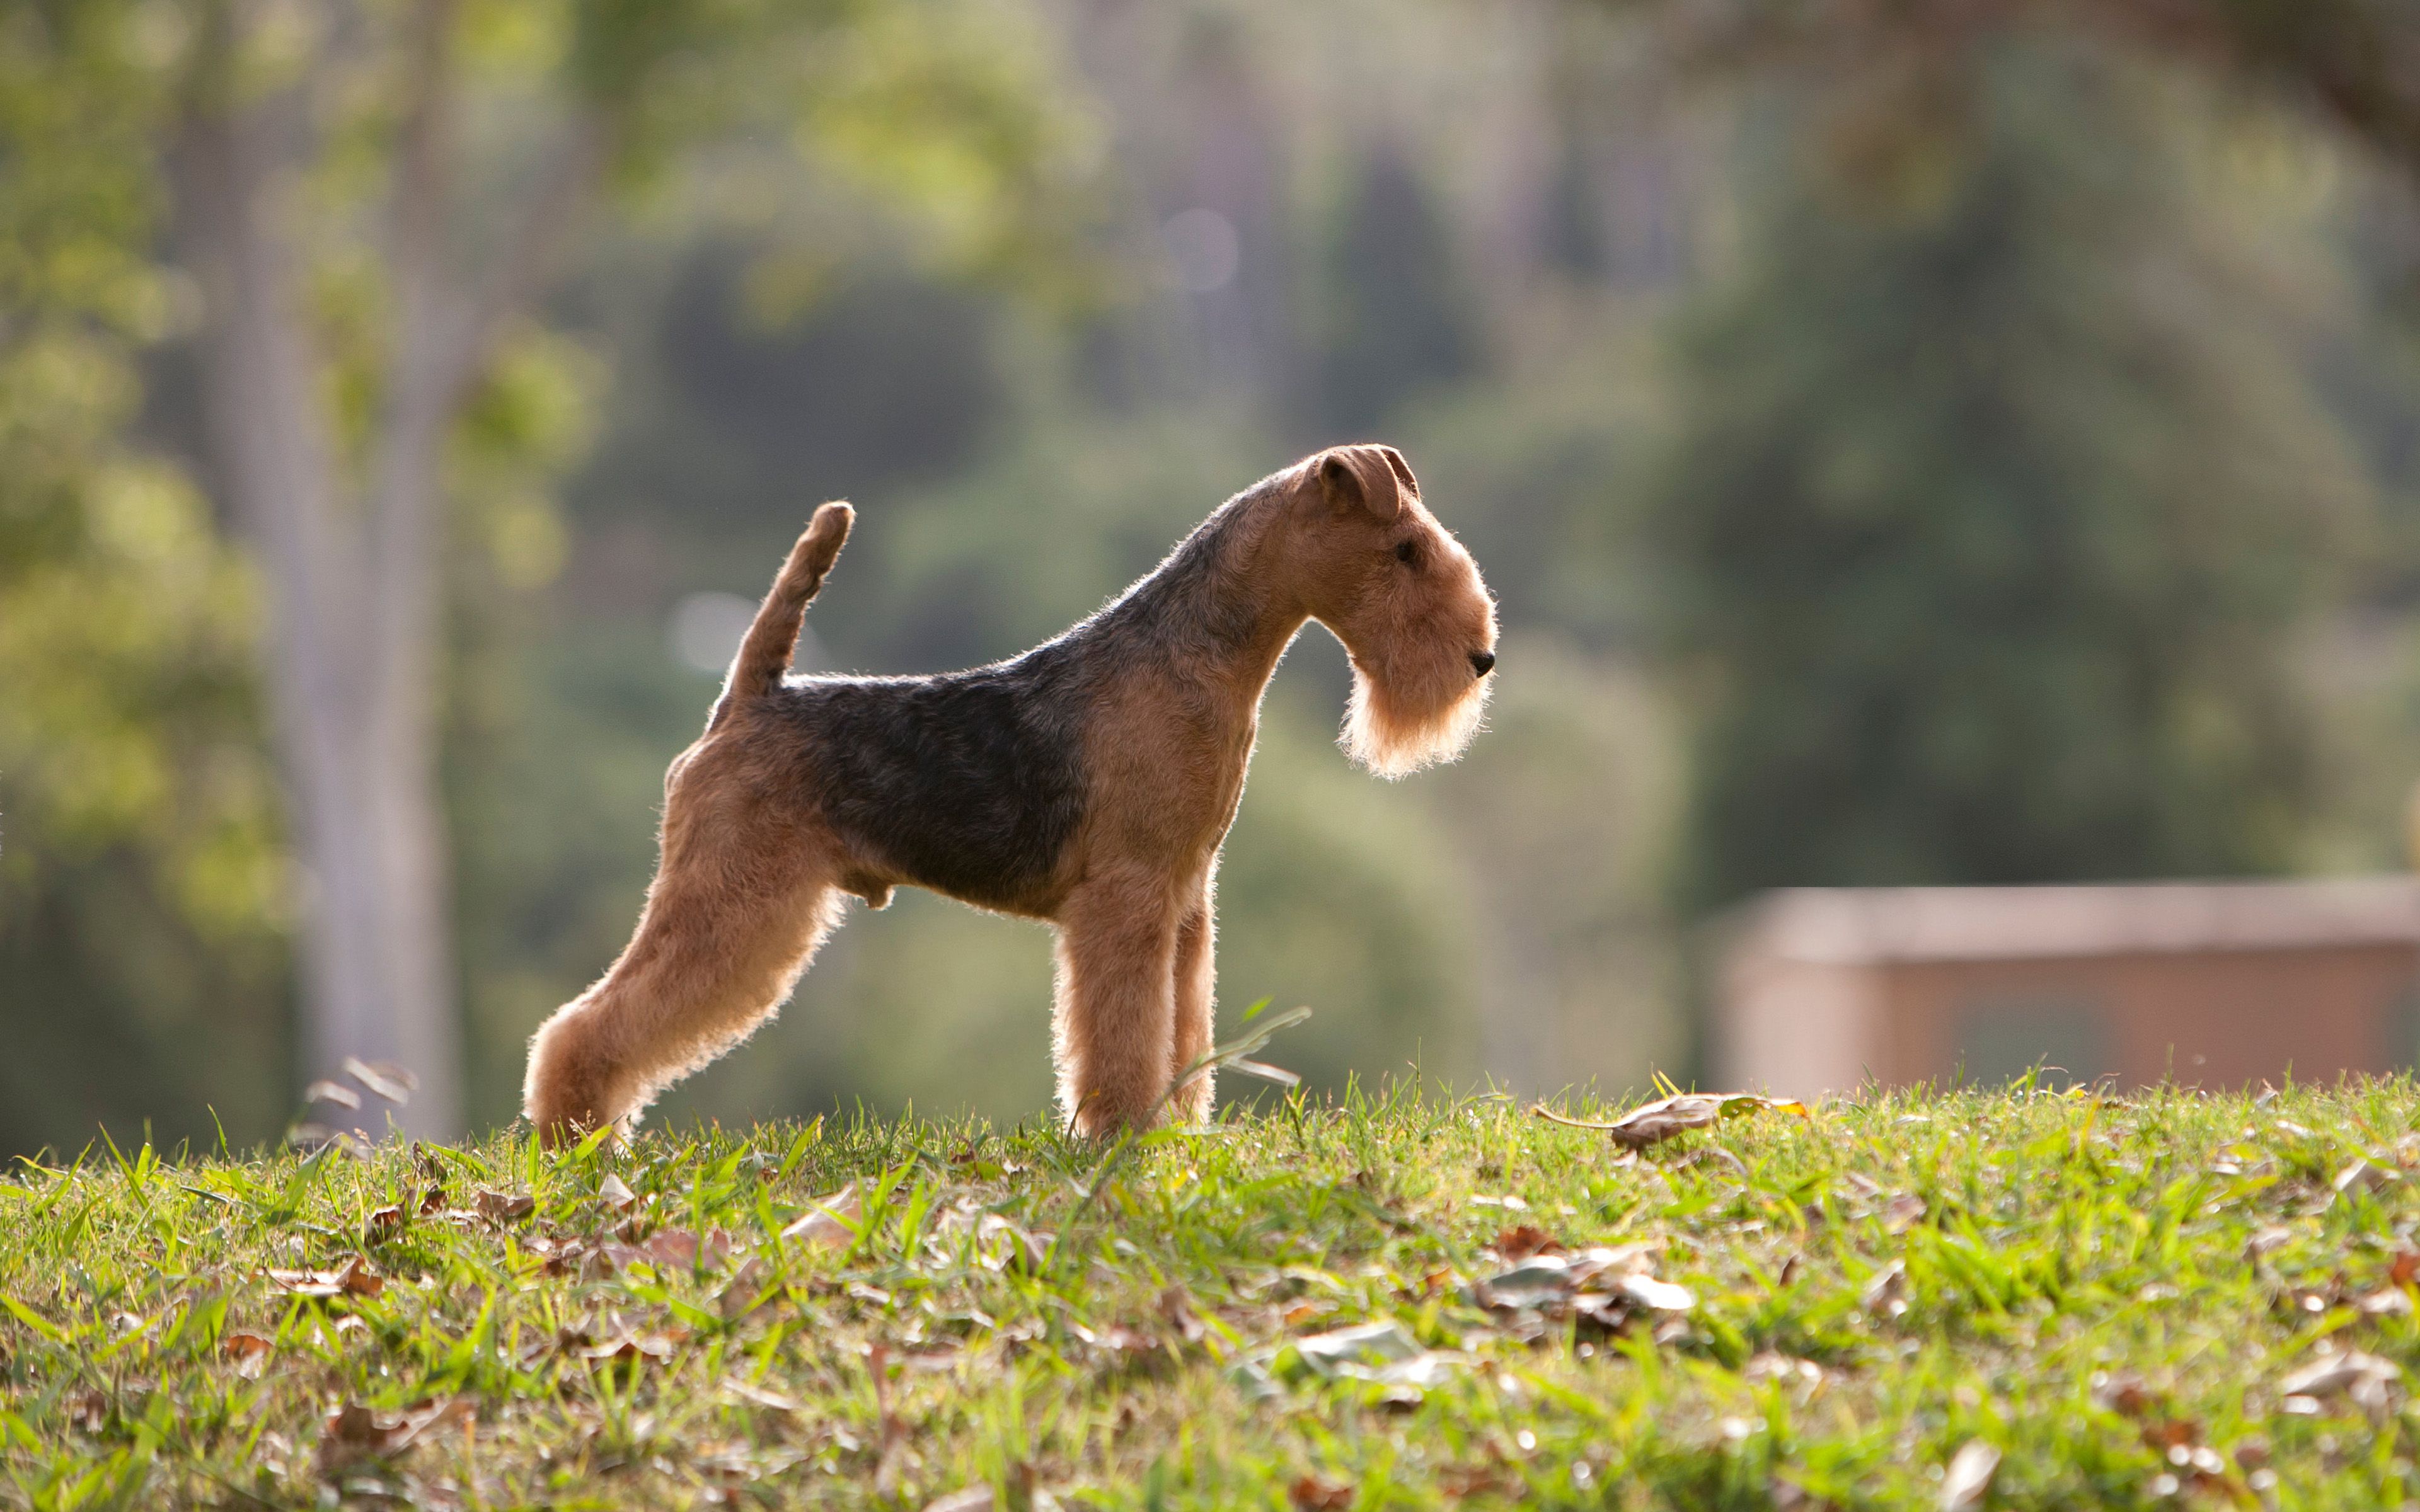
(1394, 731)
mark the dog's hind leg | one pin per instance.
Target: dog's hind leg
(1113, 1028)
(726, 931)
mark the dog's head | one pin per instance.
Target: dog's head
(1374, 566)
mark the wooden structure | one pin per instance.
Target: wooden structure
(2211, 984)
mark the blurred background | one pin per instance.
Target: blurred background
(1924, 443)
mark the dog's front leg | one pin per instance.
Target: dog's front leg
(1196, 977)
(1113, 1028)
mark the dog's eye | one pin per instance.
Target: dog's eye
(1407, 553)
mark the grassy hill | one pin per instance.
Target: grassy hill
(2157, 1301)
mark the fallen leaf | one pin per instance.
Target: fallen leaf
(1902, 1213)
(1001, 1245)
(313, 1137)
(88, 1409)
(830, 1222)
(250, 1352)
(741, 1291)
(972, 1499)
(1786, 1368)
(615, 1193)
(1544, 1280)
(382, 1225)
(678, 1249)
(1968, 1479)
(1663, 1296)
(1176, 1309)
(2127, 1394)
(502, 1208)
(1657, 1122)
(336, 1092)
(632, 1347)
(1525, 1240)
(2363, 1378)
(2363, 1175)
(1309, 1494)
(352, 1432)
(1382, 1352)
(765, 1396)
(356, 1277)
(1885, 1295)
(384, 1077)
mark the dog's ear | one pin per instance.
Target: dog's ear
(1360, 477)
(1401, 469)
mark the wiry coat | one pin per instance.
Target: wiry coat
(1088, 782)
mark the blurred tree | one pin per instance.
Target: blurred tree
(1997, 505)
(139, 870)
(376, 194)
(1391, 317)
(2357, 61)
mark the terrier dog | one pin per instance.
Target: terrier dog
(1088, 782)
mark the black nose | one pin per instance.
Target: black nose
(1482, 662)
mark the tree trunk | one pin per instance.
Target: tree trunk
(354, 571)
(353, 596)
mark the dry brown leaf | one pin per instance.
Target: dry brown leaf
(615, 1193)
(765, 1396)
(673, 1249)
(1968, 1479)
(2365, 1379)
(1309, 1494)
(250, 1352)
(741, 1291)
(2362, 1176)
(1902, 1213)
(830, 1222)
(383, 1224)
(1522, 1241)
(632, 1347)
(1176, 1309)
(356, 1277)
(352, 1432)
(503, 1207)
(336, 1092)
(1001, 1245)
(1667, 1117)
(88, 1409)
(384, 1077)
(1885, 1295)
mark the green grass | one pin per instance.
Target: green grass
(2098, 1287)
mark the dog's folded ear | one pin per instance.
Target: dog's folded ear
(1371, 478)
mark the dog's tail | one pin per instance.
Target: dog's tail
(773, 637)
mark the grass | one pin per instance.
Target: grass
(1287, 1311)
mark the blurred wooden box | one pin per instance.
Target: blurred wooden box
(2210, 984)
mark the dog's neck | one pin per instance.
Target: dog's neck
(1219, 607)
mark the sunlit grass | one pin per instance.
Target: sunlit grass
(2113, 1292)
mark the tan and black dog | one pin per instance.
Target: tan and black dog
(1088, 782)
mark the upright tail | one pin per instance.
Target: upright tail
(773, 637)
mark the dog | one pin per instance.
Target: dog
(1088, 783)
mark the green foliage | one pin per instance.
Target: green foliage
(2116, 1293)
(141, 878)
(1998, 507)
